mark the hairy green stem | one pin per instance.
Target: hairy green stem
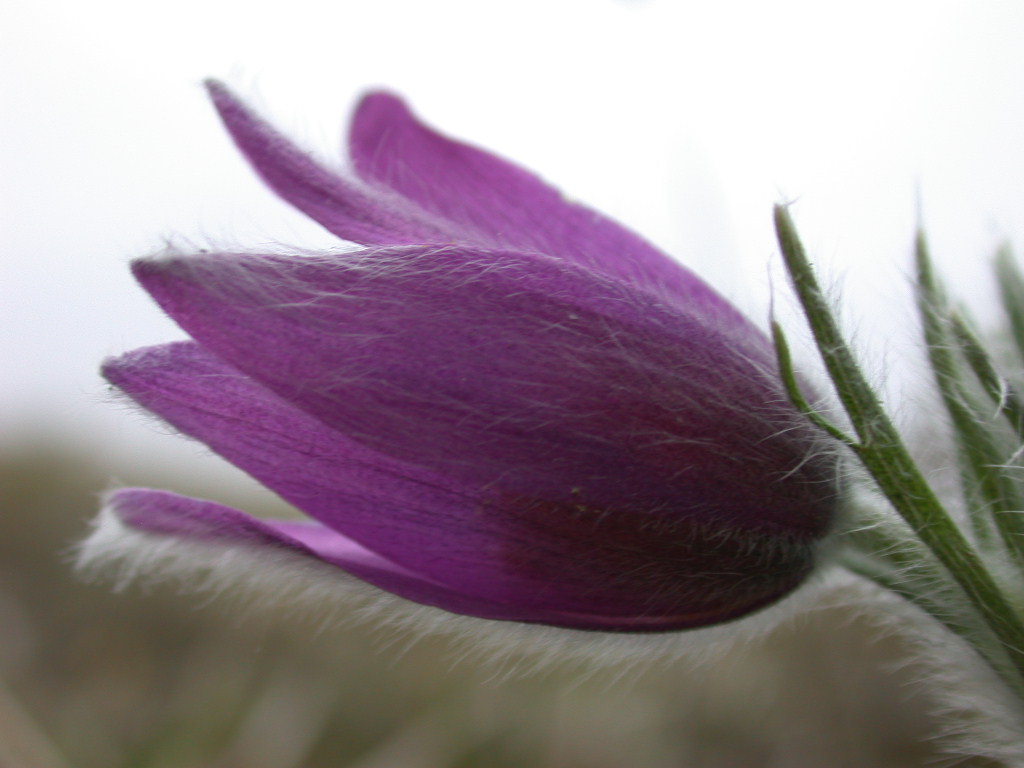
(1011, 291)
(882, 452)
(992, 495)
(1001, 392)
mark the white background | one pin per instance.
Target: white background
(686, 121)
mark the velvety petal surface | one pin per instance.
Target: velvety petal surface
(481, 551)
(347, 209)
(513, 371)
(501, 205)
(508, 406)
(198, 521)
(407, 512)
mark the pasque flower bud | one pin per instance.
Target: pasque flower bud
(503, 404)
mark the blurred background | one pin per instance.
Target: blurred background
(684, 120)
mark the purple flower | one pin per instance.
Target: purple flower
(504, 404)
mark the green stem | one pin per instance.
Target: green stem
(995, 496)
(882, 452)
(788, 374)
(1002, 394)
(1011, 291)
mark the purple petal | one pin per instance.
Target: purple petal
(345, 208)
(517, 372)
(501, 205)
(202, 521)
(478, 551)
(191, 520)
(536, 416)
(205, 522)
(397, 509)
(402, 511)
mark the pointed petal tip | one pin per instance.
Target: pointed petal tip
(120, 369)
(215, 87)
(377, 113)
(224, 99)
(152, 271)
(109, 542)
(170, 277)
(168, 263)
(146, 265)
(381, 101)
(237, 116)
(117, 500)
(112, 368)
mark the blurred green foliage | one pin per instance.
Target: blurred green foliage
(147, 678)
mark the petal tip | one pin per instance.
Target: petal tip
(148, 270)
(112, 368)
(124, 369)
(223, 98)
(113, 546)
(381, 104)
(148, 265)
(377, 114)
(216, 87)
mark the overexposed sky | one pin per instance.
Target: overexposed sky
(685, 120)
